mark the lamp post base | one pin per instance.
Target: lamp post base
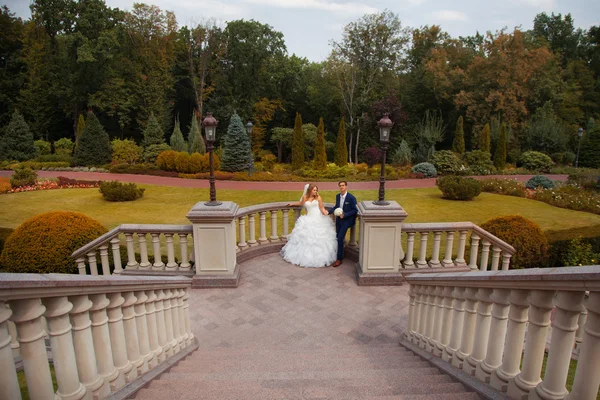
(381, 203)
(213, 203)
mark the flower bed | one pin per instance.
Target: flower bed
(46, 184)
(572, 197)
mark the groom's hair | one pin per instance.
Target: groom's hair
(344, 182)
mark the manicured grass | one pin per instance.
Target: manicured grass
(169, 205)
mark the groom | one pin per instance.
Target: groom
(347, 203)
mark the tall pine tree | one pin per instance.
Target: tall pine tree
(153, 133)
(341, 151)
(484, 139)
(195, 141)
(80, 126)
(458, 145)
(500, 153)
(17, 142)
(94, 145)
(236, 147)
(298, 144)
(320, 153)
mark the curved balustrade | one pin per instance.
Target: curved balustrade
(104, 332)
(170, 236)
(492, 316)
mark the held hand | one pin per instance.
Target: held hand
(342, 216)
(324, 212)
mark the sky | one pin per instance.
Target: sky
(308, 26)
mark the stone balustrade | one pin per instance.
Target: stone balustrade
(135, 238)
(486, 251)
(494, 325)
(104, 332)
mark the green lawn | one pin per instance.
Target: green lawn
(169, 205)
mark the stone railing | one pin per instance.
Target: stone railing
(104, 332)
(501, 252)
(174, 236)
(480, 322)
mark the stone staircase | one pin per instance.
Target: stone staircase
(360, 371)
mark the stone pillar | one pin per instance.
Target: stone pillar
(8, 378)
(380, 247)
(468, 333)
(103, 344)
(568, 307)
(215, 244)
(458, 317)
(482, 331)
(587, 376)
(515, 336)
(495, 346)
(117, 336)
(535, 344)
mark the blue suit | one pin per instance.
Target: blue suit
(343, 224)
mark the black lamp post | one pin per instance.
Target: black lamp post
(385, 128)
(580, 134)
(251, 164)
(210, 128)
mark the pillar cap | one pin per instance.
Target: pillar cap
(392, 212)
(224, 212)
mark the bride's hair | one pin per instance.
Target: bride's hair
(309, 190)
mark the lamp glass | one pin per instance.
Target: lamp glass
(249, 128)
(384, 134)
(580, 132)
(210, 132)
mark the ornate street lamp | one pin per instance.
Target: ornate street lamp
(210, 129)
(385, 128)
(249, 128)
(580, 134)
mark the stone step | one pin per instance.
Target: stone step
(237, 350)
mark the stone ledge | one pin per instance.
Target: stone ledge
(217, 281)
(378, 279)
(137, 272)
(260, 250)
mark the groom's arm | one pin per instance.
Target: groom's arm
(353, 209)
(330, 211)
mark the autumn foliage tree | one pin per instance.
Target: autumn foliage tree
(320, 154)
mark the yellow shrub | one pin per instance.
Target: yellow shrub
(166, 160)
(196, 162)
(182, 162)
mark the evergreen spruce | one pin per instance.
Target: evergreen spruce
(177, 141)
(458, 145)
(153, 134)
(589, 156)
(320, 153)
(500, 153)
(341, 151)
(195, 141)
(17, 142)
(80, 126)
(297, 144)
(94, 145)
(236, 147)
(484, 139)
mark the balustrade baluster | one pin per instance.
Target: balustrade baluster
(482, 331)
(446, 323)
(418, 318)
(462, 244)
(515, 335)
(410, 246)
(458, 317)
(83, 342)
(438, 319)
(431, 309)
(103, 344)
(131, 334)
(91, 256)
(175, 321)
(587, 377)
(485, 254)
(131, 261)
(116, 252)
(141, 324)
(579, 333)
(421, 262)
(262, 221)
(424, 316)
(251, 230)
(117, 337)
(468, 333)
(184, 262)
(27, 316)
(242, 232)
(183, 335)
(81, 266)
(186, 316)
(353, 235)
(474, 251)
(297, 212)
(274, 237)
(435, 255)
(8, 378)
(408, 333)
(158, 264)
(171, 264)
(505, 260)
(535, 344)
(14, 343)
(161, 331)
(495, 345)
(170, 346)
(104, 259)
(286, 223)
(152, 327)
(496, 257)
(144, 262)
(447, 262)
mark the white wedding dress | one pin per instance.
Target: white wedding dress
(313, 241)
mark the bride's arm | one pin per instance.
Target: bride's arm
(322, 206)
(298, 203)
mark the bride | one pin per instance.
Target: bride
(313, 241)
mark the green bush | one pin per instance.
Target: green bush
(45, 242)
(152, 152)
(525, 236)
(574, 252)
(458, 187)
(166, 160)
(425, 168)
(586, 178)
(23, 176)
(447, 162)
(117, 191)
(564, 158)
(63, 159)
(125, 151)
(268, 161)
(479, 162)
(508, 187)
(63, 146)
(540, 181)
(43, 147)
(4, 234)
(536, 161)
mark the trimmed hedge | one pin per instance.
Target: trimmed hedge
(117, 191)
(458, 187)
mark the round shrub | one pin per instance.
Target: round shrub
(425, 168)
(43, 147)
(117, 191)
(23, 176)
(182, 162)
(196, 162)
(540, 180)
(536, 161)
(480, 162)
(525, 236)
(166, 160)
(268, 161)
(447, 162)
(63, 146)
(458, 187)
(45, 242)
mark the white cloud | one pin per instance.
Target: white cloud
(540, 4)
(449, 15)
(323, 5)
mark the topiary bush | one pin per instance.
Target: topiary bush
(45, 242)
(525, 236)
(536, 161)
(458, 187)
(117, 191)
(426, 169)
(23, 176)
(480, 162)
(447, 162)
(540, 180)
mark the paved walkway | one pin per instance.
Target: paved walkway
(242, 185)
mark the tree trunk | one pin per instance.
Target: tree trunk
(356, 145)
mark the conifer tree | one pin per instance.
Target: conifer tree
(236, 147)
(94, 145)
(341, 151)
(458, 145)
(17, 142)
(320, 153)
(80, 126)
(195, 141)
(177, 141)
(500, 153)
(484, 139)
(153, 134)
(297, 144)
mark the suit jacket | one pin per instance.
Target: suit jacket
(349, 208)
